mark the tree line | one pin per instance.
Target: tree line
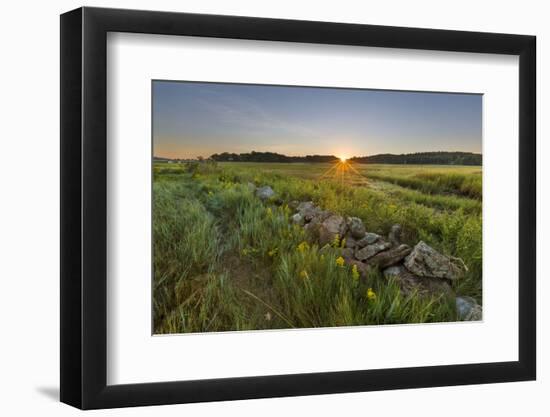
(428, 158)
(270, 157)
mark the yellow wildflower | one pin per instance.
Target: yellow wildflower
(354, 273)
(272, 252)
(336, 240)
(304, 274)
(343, 243)
(302, 247)
(244, 252)
(371, 295)
(340, 261)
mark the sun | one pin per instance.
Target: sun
(343, 170)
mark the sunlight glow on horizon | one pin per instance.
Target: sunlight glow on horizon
(192, 119)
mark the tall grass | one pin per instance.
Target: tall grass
(437, 182)
(223, 260)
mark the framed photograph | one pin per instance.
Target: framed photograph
(257, 208)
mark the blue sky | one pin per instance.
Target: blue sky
(192, 119)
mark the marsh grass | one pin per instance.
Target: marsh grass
(435, 182)
(223, 260)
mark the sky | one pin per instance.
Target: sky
(192, 119)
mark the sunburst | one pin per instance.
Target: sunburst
(342, 170)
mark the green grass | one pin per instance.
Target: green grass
(432, 179)
(223, 260)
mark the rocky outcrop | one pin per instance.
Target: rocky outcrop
(298, 219)
(370, 250)
(390, 257)
(468, 309)
(348, 254)
(368, 239)
(294, 204)
(312, 227)
(425, 261)
(421, 269)
(331, 229)
(350, 242)
(362, 267)
(265, 193)
(408, 282)
(356, 228)
(308, 210)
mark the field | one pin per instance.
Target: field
(224, 260)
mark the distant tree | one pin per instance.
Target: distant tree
(255, 156)
(427, 158)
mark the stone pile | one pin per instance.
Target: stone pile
(420, 268)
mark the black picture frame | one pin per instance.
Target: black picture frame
(84, 207)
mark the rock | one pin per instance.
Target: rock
(265, 193)
(356, 227)
(369, 239)
(390, 257)
(308, 210)
(350, 242)
(468, 309)
(408, 283)
(425, 261)
(294, 204)
(305, 205)
(371, 250)
(329, 228)
(314, 225)
(362, 268)
(347, 254)
(395, 235)
(393, 271)
(298, 219)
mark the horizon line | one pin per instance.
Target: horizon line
(323, 155)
